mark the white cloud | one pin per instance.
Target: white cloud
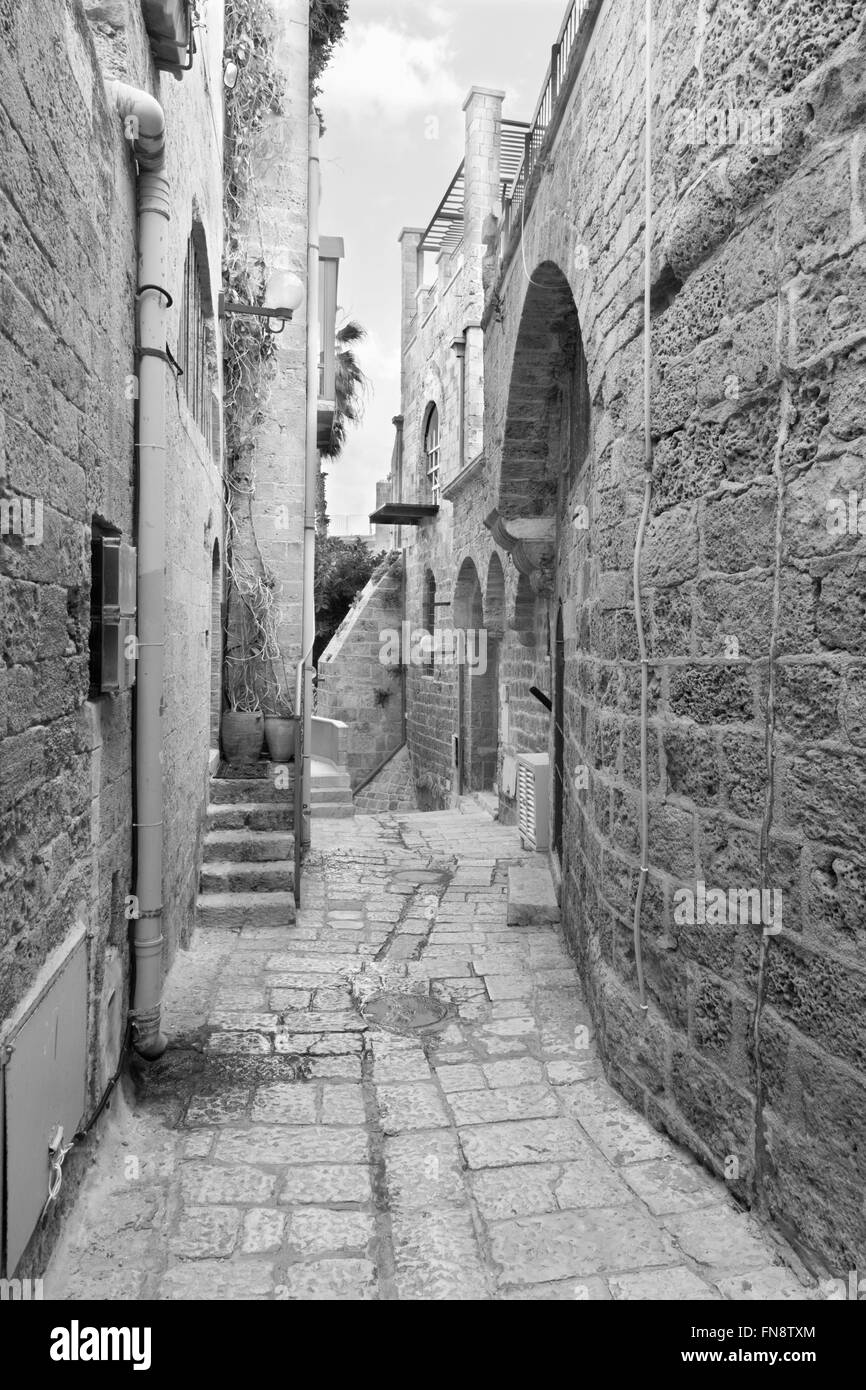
(383, 71)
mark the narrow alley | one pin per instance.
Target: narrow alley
(317, 1131)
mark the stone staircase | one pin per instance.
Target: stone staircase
(247, 874)
(330, 790)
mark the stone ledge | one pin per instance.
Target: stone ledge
(531, 895)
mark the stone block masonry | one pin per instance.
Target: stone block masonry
(750, 599)
(67, 403)
(356, 685)
(289, 1149)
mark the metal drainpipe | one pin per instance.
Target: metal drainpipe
(312, 466)
(144, 124)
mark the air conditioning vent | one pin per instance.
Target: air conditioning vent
(533, 800)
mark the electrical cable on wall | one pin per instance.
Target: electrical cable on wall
(644, 518)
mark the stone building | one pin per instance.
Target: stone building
(521, 473)
(111, 593)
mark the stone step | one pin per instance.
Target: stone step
(336, 779)
(259, 846)
(250, 876)
(320, 795)
(330, 810)
(232, 910)
(531, 894)
(250, 790)
(247, 815)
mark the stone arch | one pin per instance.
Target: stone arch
(215, 638)
(548, 417)
(494, 597)
(428, 615)
(467, 605)
(477, 714)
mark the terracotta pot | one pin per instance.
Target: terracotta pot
(243, 733)
(280, 735)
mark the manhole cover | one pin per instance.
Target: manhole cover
(404, 1013)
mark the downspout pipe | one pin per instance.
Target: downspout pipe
(312, 467)
(144, 127)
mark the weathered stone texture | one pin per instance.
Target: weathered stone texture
(759, 319)
(67, 335)
(360, 679)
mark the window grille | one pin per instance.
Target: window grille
(431, 449)
(196, 356)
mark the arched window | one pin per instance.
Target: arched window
(429, 618)
(431, 452)
(196, 349)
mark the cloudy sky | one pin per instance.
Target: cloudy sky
(401, 64)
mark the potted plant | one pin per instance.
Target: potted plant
(279, 725)
(243, 723)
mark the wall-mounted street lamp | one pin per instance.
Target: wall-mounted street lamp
(284, 291)
(232, 69)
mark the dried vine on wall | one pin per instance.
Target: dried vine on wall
(255, 672)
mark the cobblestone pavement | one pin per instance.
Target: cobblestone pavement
(285, 1148)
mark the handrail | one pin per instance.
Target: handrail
(557, 68)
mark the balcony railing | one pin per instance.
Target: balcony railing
(545, 113)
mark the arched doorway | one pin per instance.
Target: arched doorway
(215, 637)
(558, 733)
(476, 729)
(541, 518)
(494, 625)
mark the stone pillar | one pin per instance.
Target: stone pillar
(410, 243)
(483, 108)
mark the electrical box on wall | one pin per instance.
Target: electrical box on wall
(169, 28)
(43, 1083)
(112, 617)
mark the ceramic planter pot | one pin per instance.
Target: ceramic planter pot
(243, 733)
(280, 735)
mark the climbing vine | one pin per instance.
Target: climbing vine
(327, 25)
(253, 659)
(256, 676)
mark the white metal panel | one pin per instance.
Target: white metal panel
(45, 1081)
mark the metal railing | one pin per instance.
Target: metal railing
(560, 58)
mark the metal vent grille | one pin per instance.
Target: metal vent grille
(533, 800)
(526, 803)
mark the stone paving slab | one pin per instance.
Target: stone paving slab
(287, 1149)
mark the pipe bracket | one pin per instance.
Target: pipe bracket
(160, 290)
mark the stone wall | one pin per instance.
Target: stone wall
(359, 674)
(392, 790)
(753, 1048)
(271, 521)
(67, 334)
